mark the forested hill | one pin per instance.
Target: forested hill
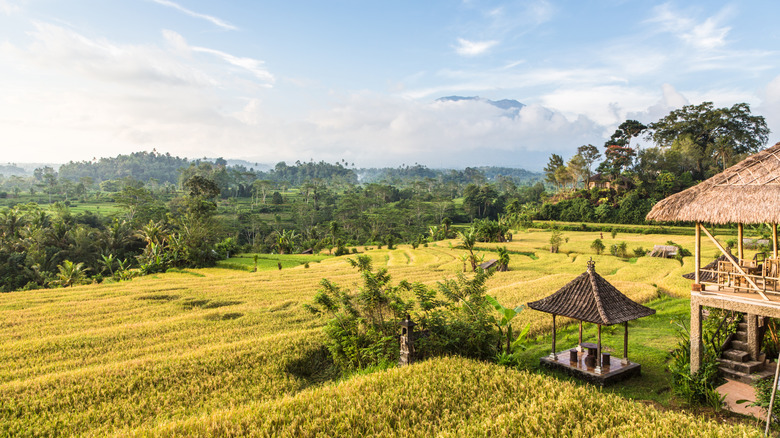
(467, 175)
(140, 166)
(164, 168)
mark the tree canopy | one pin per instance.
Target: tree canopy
(714, 137)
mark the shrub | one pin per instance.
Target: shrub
(363, 328)
(556, 238)
(622, 250)
(639, 252)
(698, 388)
(597, 246)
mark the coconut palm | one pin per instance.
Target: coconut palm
(71, 273)
(469, 240)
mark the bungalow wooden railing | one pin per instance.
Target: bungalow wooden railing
(762, 279)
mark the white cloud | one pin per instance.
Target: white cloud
(62, 51)
(214, 20)
(474, 48)
(65, 51)
(7, 7)
(252, 65)
(378, 130)
(770, 108)
(707, 35)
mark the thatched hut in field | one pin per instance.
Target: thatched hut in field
(746, 193)
(591, 298)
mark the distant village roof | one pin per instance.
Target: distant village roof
(591, 298)
(746, 193)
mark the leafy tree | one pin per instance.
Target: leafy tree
(551, 170)
(597, 246)
(717, 136)
(619, 154)
(556, 238)
(578, 170)
(590, 154)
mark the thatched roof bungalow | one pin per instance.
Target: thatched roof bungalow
(746, 193)
(742, 194)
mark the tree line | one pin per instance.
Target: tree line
(686, 146)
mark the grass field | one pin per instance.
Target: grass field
(232, 353)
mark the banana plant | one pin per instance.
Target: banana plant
(513, 346)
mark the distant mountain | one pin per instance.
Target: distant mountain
(510, 105)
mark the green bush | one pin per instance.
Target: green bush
(698, 388)
(455, 318)
(597, 246)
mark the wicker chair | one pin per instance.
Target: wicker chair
(730, 276)
(726, 275)
(771, 273)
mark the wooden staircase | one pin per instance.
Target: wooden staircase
(736, 363)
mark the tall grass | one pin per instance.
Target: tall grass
(235, 351)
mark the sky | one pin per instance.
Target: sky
(270, 81)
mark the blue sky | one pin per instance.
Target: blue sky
(359, 80)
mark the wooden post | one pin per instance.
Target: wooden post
(696, 344)
(697, 254)
(625, 343)
(553, 355)
(580, 333)
(774, 241)
(598, 357)
(740, 245)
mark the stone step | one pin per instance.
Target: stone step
(742, 327)
(740, 336)
(739, 345)
(729, 373)
(736, 355)
(749, 367)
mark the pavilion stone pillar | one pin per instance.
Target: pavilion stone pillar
(696, 344)
(753, 338)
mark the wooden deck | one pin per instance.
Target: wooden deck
(738, 299)
(612, 372)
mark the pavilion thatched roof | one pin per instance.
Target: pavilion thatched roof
(709, 277)
(591, 298)
(747, 193)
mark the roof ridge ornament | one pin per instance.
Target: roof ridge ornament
(591, 265)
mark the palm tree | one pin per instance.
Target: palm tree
(71, 273)
(469, 240)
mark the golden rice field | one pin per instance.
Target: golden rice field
(227, 353)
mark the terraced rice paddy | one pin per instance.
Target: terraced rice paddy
(231, 353)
